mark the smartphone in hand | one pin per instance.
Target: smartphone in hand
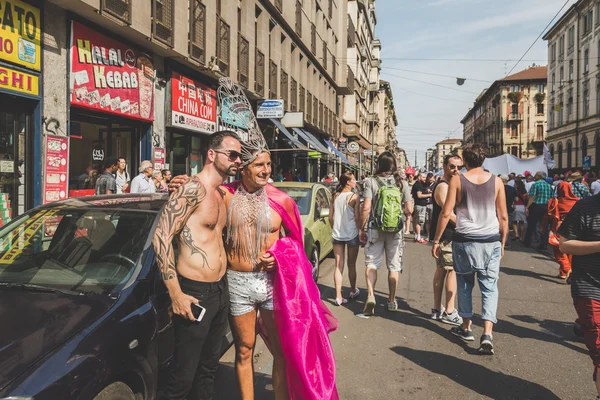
(198, 311)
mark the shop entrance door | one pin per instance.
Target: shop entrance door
(16, 145)
(117, 142)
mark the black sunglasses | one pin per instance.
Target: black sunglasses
(232, 155)
(452, 166)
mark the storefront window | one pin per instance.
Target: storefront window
(93, 141)
(15, 171)
(186, 154)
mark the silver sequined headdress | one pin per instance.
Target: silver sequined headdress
(235, 114)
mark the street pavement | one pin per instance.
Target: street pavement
(406, 355)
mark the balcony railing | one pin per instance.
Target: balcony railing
(373, 86)
(373, 117)
(515, 117)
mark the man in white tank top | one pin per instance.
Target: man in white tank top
(477, 243)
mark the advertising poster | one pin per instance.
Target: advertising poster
(56, 182)
(110, 76)
(159, 158)
(270, 109)
(20, 34)
(193, 105)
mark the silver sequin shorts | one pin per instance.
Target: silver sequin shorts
(248, 290)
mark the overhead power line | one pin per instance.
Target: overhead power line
(432, 74)
(539, 36)
(433, 97)
(429, 83)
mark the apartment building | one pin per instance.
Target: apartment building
(384, 138)
(442, 149)
(402, 159)
(360, 119)
(139, 78)
(574, 87)
(510, 116)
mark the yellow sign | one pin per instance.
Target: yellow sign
(18, 81)
(20, 238)
(20, 33)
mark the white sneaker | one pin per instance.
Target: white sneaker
(436, 315)
(452, 318)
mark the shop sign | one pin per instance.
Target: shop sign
(159, 158)
(193, 105)
(353, 147)
(17, 81)
(98, 154)
(57, 154)
(270, 109)
(342, 147)
(109, 76)
(368, 152)
(20, 33)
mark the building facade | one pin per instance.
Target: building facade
(442, 149)
(574, 87)
(360, 118)
(510, 116)
(384, 138)
(139, 79)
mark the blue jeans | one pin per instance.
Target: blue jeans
(483, 260)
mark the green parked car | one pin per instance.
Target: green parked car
(313, 200)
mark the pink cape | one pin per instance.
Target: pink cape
(303, 321)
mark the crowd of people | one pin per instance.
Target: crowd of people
(116, 180)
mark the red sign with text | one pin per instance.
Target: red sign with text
(56, 178)
(159, 158)
(110, 76)
(193, 105)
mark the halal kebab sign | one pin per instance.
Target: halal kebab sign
(109, 76)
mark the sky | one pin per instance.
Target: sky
(413, 32)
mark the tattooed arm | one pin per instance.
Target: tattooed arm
(172, 221)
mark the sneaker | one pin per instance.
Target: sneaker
(486, 345)
(339, 302)
(369, 306)
(451, 319)
(354, 295)
(464, 334)
(423, 241)
(436, 314)
(392, 306)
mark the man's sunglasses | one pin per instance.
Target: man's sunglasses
(453, 167)
(232, 155)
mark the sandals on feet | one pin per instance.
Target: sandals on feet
(339, 302)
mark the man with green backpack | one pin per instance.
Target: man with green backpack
(383, 210)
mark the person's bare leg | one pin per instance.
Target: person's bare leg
(393, 278)
(438, 286)
(521, 230)
(279, 372)
(352, 256)
(515, 229)
(408, 222)
(450, 291)
(417, 229)
(467, 323)
(338, 272)
(371, 278)
(243, 329)
(487, 327)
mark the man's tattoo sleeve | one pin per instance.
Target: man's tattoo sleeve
(173, 218)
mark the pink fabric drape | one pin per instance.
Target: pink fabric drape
(303, 321)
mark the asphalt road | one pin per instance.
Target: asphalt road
(407, 355)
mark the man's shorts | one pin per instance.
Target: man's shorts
(444, 259)
(423, 213)
(249, 290)
(588, 311)
(384, 243)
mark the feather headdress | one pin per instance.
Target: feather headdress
(235, 114)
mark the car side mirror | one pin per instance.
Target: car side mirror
(324, 213)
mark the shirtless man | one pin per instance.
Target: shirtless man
(253, 228)
(195, 215)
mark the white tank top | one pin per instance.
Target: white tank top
(344, 224)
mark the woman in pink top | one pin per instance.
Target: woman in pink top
(519, 217)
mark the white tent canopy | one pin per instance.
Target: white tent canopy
(507, 163)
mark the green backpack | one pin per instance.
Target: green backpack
(388, 216)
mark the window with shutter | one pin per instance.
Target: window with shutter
(198, 31)
(284, 89)
(330, 9)
(259, 72)
(223, 46)
(272, 80)
(302, 101)
(313, 39)
(299, 18)
(293, 95)
(243, 61)
(279, 5)
(315, 111)
(162, 20)
(309, 107)
(324, 54)
(120, 9)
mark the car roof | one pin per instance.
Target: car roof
(139, 201)
(307, 185)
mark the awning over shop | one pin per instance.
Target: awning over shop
(337, 152)
(287, 133)
(312, 140)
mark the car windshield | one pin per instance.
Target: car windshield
(301, 196)
(81, 250)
